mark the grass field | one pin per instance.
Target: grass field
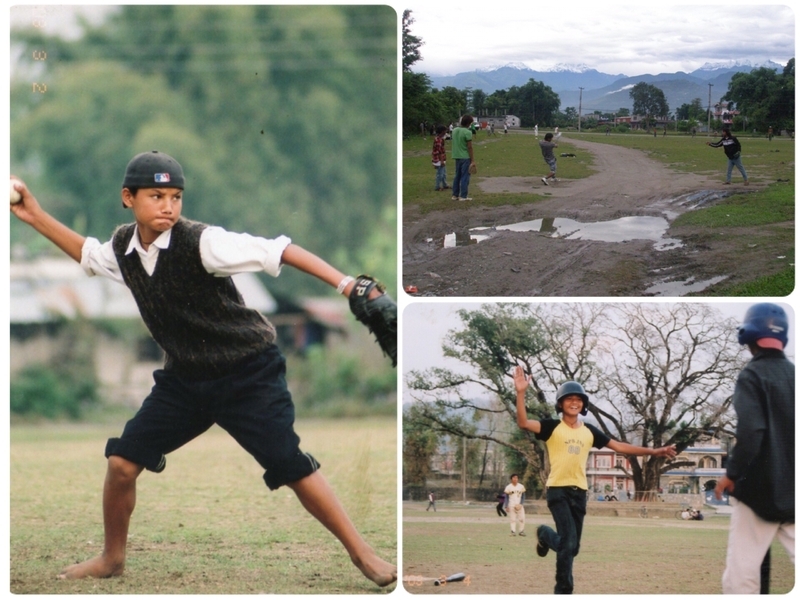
(618, 555)
(207, 524)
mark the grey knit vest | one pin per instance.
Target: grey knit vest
(198, 319)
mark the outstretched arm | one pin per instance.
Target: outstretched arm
(631, 450)
(310, 263)
(521, 382)
(29, 211)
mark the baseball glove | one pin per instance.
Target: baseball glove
(473, 169)
(378, 314)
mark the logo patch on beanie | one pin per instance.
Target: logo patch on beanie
(162, 177)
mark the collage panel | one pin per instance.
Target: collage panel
(538, 168)
(598, 256)
(548, 446)
(202, 239)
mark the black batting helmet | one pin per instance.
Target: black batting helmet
(572, 388)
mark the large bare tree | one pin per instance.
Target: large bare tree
(670, 379)
(656, 373)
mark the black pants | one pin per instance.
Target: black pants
(568, 507)
(252, 403)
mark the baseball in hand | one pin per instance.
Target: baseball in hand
(15, 195)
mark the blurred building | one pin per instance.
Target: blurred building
(52, 301)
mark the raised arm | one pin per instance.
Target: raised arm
(29, 211)
(631, 450)
(521, 382)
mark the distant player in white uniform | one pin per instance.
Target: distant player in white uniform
(515, 492)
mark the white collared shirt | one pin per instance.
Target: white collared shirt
(222, 253)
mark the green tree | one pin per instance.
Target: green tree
(454, 102)
(693, 110)
(411, 43)
(648, 100)
(479, 102)
(284, 118)
(765, 97)
(419, 447)
(570, 117)
(535, 103)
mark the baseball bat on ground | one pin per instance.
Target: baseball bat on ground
(450, 579)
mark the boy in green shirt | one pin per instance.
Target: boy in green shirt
(462, 154)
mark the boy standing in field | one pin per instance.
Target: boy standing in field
(462, 154)
(547, 146)
(568, 441)
(733, 150)
(222, 365)
(439, 159)
(515, 495)
(760, 472)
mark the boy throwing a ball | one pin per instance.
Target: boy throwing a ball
(222, 365)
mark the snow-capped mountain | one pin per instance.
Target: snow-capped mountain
(593, 90)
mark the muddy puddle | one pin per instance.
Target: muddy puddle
(682, 287)
(624, 229)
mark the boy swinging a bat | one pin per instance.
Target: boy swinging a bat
(222, 365)
(568, 441)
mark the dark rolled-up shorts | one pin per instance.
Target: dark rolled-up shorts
(252, 403)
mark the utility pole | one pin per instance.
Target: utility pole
(708, 133)
(580, 105)
(464, 470)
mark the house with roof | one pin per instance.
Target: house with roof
(703, 464)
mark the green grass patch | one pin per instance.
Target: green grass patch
(764, 161)
(777, 285)
(772, 205)
(511, 155)
(206, 525)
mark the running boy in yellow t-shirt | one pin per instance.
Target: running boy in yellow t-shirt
(568, 441)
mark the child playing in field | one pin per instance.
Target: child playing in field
(222, 365)
(733, 150)
(568, 441)
(547, 145)
(760, 473)
(439, 159)
(464, 157)
(515, 496)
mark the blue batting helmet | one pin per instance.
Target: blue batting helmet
(762, 323)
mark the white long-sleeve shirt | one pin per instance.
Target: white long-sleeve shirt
(222, 253)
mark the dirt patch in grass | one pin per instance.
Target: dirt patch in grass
(445, 255)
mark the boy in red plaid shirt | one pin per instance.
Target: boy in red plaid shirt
(439, 158)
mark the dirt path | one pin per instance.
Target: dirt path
(444, 255)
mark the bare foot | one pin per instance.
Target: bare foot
(377, 570)
(99, 567)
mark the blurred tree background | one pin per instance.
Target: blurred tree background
(283, 117)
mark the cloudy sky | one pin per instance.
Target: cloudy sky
(615, 39)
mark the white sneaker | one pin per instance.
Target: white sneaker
(462, 199)
(544, 181)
